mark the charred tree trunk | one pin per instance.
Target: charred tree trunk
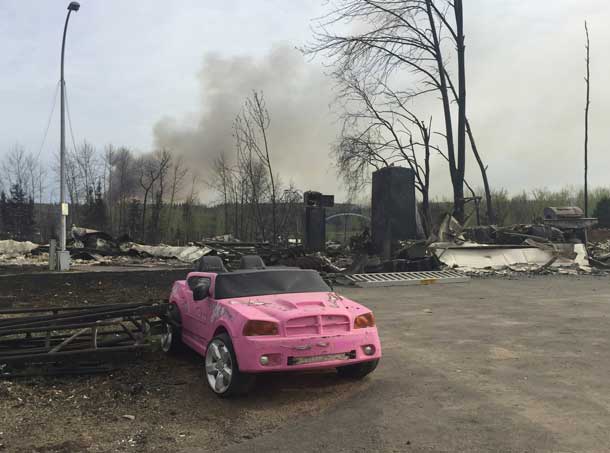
(143, 219)
(491, 213)
(461, 130)
(456, 182)
(426, 189)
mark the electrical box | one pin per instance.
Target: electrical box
(63, 260)
(52, 255)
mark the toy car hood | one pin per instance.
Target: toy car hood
(282, 307)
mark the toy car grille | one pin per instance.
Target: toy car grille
(335, 324)
(317, 325)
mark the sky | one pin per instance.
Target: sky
(146, 74)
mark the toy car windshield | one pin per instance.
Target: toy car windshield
(265, 282)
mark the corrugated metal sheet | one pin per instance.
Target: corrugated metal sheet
(406, 278)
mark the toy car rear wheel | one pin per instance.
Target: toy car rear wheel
(358, 370)
(221, 368)
(171, 338)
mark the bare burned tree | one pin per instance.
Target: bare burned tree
(489, 204)
(290, 213)
(148, 174)
(124, 183)
(23, 180)
(412, 36)
(254, 162)
(587, 103)
(17, 167)
(255, 186)
(223, 181)
(38, 176)
(230, 182)
(187, 209)
(109, 160)
(254, 132)
(355, 154)
(73, 185)
(458, 36)
(164, 158)
(85, 160)
(380, 130)
(151, 169)
(179, 171)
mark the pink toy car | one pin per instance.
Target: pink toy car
(262, 320)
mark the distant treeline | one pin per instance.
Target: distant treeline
(22, 219)
(152, 198)
(527, 206)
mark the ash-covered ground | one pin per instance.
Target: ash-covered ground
(489, 365)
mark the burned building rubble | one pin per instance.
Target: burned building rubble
(394, 243)
(557, 244)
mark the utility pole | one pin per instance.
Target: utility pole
(588, 101)
(63, 256)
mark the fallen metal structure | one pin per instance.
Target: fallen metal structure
(406, 278)
(529, 257)
(74, 339)
(10, 248)
(599, 253)
(186, 254)
(558, 245)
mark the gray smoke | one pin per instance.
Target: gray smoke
(525, 102)
(298, 97)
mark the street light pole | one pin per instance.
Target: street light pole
(63, 256)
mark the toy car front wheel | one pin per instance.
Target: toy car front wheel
(221, 368)
(358, 370)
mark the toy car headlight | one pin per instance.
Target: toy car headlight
(366, 320)
(254, 328)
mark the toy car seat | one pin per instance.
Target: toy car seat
(211, 264)
(251, 262)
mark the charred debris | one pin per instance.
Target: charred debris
(75, 340)
(560, 243)
(395, 240)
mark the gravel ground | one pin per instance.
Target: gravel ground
(167, 396)
(155, 405)
(517, 365)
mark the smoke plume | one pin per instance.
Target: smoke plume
(297, 95)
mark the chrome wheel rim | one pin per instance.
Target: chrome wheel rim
(166, 338)
(218, 366)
